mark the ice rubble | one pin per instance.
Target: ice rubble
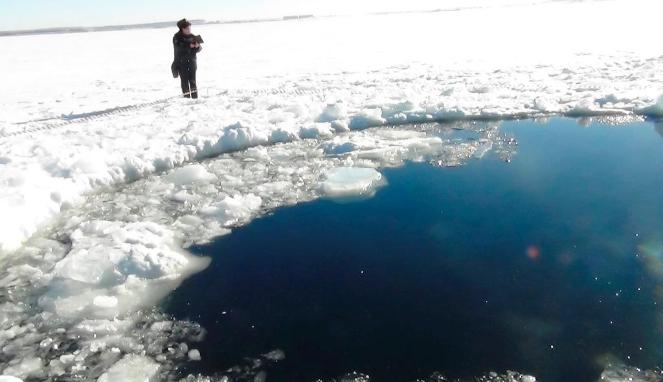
(122, 266)
(382, 75)
(52, 173)
(617, 372)
(77, 294)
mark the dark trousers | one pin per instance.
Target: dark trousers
(188, 79)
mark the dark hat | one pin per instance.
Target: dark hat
(183, 23)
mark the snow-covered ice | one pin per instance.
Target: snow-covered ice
(98, 202)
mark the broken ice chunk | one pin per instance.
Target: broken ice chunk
(191, 174)
(194, 355)
(131, 368)
(343, 182)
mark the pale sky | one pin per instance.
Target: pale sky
(28, 14)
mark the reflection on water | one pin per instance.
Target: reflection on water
(551, 264)
(658, 126)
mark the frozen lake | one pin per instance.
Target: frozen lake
(548, 264)
(486, 244)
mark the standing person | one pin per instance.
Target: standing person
(185, 65)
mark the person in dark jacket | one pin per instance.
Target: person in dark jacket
(185, 63)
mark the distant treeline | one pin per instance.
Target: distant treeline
(163, 24)
(297, 17)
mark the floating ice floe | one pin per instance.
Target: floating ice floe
(351, 181)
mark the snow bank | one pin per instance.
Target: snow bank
(333, 112)
(367, 118)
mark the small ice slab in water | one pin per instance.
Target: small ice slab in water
(194, 355)
(344, 182)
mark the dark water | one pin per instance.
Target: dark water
(550, 265)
